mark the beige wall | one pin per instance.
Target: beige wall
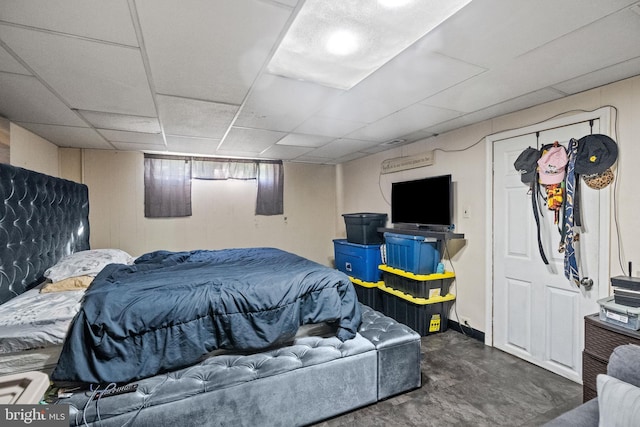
(364, 189)
(223, 211)
(30, 151)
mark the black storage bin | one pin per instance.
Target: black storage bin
(362, 228)
(425, 316)
(417, 285)
(368, 293)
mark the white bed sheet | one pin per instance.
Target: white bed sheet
(35, 320)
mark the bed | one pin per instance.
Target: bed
(233, 344)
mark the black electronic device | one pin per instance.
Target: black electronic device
(426, 202)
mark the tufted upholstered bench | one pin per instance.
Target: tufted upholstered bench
(312, 379)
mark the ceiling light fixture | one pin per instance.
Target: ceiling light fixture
(364, 34)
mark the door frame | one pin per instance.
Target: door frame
(604, 116)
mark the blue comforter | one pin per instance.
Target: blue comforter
(169, 309)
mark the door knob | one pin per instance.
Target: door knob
(586, 283)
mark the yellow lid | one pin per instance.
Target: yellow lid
(419, 277)
(365, 284)
(416, 300)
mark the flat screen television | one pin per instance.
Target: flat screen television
(426, 202)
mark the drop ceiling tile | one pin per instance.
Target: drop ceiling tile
(133, 146)
(350, 157)
(9, 64)
(133, 137)
(88, 75)
(191, 117)
(335, 128)
(516, 104)
(102, 120)
(97, 19)
(340, 147)
(356, 108)
(24, 98)
(600, 77)
(214, 50)
(491, 32)
(281, 104)
(541, 68)
(68, 136)
(414, 75)
(410, 119)
(315, 160)
(284, 153)
(195, 146)
(302, 140)
(250, 140)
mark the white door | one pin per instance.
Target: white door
(538, 315)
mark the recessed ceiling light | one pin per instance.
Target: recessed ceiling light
(342, 42)
(363, 34)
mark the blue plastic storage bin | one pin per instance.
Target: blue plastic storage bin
(358, 261)
(415, 254)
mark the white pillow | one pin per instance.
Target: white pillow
(86, 263)
(618, 402)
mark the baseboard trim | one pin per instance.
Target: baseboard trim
(470, 332)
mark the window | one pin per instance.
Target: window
(168, 182)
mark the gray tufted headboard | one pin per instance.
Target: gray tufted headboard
(42, 219)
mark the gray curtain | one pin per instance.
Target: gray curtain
(270, 188)
(167, 186)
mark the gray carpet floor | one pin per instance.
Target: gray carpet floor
(465, 383)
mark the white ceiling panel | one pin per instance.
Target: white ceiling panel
(192, 117)
(335, 128)
(491, 32)
(209, 49)
(69, 136)
(516, 104)
(357, 108)
(88, 75)
(410, 119)
(282, 104)
(302, 140)
(24, 98)
(97, 19)
(133, 137)
(133, 146)
(284, 153)
(600, 77)
(340, 147)
(202, 146)
(250, 140)
(121, 122)
(423, 74)
(9, 64)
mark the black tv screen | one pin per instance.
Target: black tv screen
(422, 202)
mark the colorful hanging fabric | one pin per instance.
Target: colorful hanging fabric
(554, 199)
(570, 262)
